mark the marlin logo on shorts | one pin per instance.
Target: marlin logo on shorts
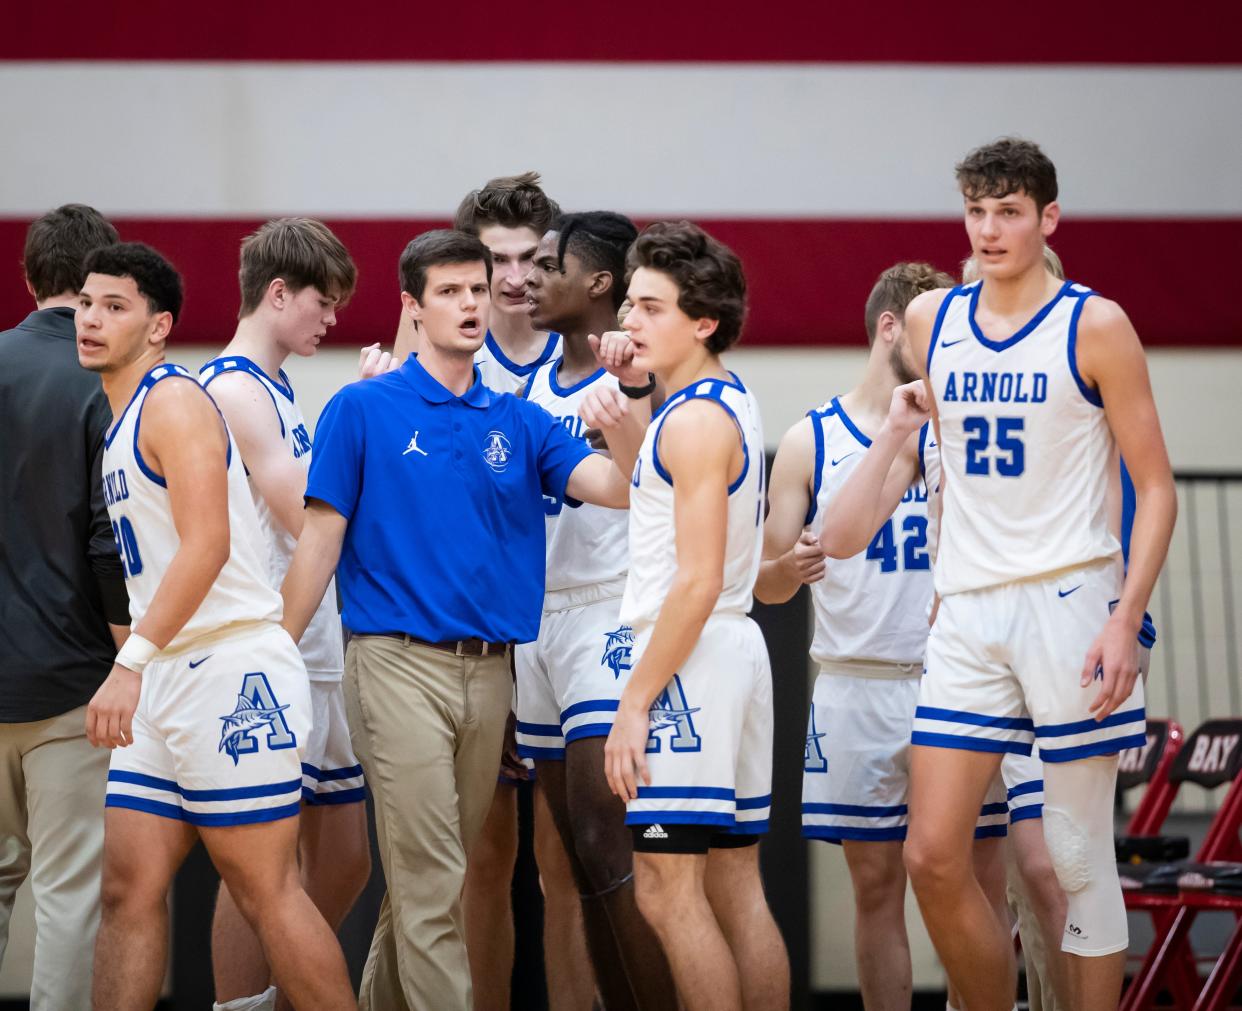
(671, 711)
(618, 648)
(497, 451)
(255, 710)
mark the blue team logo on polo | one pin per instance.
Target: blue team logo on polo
(256, 710)
(671, 711)
(497, 451)
(618, 650)
(813, 760)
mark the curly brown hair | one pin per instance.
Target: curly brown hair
(1008, 165)
(708, 274)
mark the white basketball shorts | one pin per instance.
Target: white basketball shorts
(856, 773)
(330, 772)
(709, 751)
(570, 678)
(1003, 670)
(219, 733)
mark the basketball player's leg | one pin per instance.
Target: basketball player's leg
(610, 974)
(947, 789)
(567, 963)
(735, 891)
(259, 864)
(486, 902)
(881, 945)
(604, 848)
(142, 853)
(671, 893)
(1045, 898)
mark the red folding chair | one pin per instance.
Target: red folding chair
(1151, 764)
(1210, 757)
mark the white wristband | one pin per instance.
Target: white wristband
(136, 653)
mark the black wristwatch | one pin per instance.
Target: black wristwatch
(638, 392)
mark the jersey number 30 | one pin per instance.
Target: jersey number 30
(1010, 457)
(883, 548)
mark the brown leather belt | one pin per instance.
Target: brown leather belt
(458, 647)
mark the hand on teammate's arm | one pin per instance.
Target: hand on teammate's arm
(314, 561)
(185, 441)
(698, 445)
(878, 481)
(1110, 357)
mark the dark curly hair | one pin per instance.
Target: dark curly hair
(157, 280)
(1008, 165)
(708, 274)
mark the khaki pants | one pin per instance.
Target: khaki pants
(427, 727)
(52, 785)
(1039, 993)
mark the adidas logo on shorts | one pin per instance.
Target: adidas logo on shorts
(655, 832)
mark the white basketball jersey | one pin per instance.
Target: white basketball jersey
(1024, 446)
(872, 606)
(653, 548)
(142, 523)
(501, 374)
(322, 646)
(587, 544)
(929, 470)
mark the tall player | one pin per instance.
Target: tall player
(690, 750)
(870, 639)
(570, 679)
(295, 275)
(208, 699)
(1032, 383)
(510, 215)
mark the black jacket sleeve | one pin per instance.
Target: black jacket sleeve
(104, 559)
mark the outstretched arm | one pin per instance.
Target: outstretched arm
(700, 448)
(184, 440)
(875, 486)
(791, 555)
(1110, 358)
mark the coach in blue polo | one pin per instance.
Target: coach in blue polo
(426, 496)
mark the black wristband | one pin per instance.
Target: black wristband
(638, 392)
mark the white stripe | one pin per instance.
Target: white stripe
(750, 140)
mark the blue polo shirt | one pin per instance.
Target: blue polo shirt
(444, 498)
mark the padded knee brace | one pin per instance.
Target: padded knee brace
(1078, 828)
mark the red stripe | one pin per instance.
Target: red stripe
(808, 279)
(641, 30)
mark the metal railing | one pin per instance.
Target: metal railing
(1195, 671)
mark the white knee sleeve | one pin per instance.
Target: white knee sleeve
(1078, 827)
(265, 1001)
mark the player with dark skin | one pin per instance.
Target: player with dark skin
(569, 296)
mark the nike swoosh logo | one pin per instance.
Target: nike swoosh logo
(846, 457)
(196, 663)
(949, 344)
(1066, 593)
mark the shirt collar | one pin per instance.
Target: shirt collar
(431, 390)
(56, 321)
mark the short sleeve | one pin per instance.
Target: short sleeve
(559, 452)
(336, 461)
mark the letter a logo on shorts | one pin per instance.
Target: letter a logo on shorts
(670, 711)
(256, 709)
